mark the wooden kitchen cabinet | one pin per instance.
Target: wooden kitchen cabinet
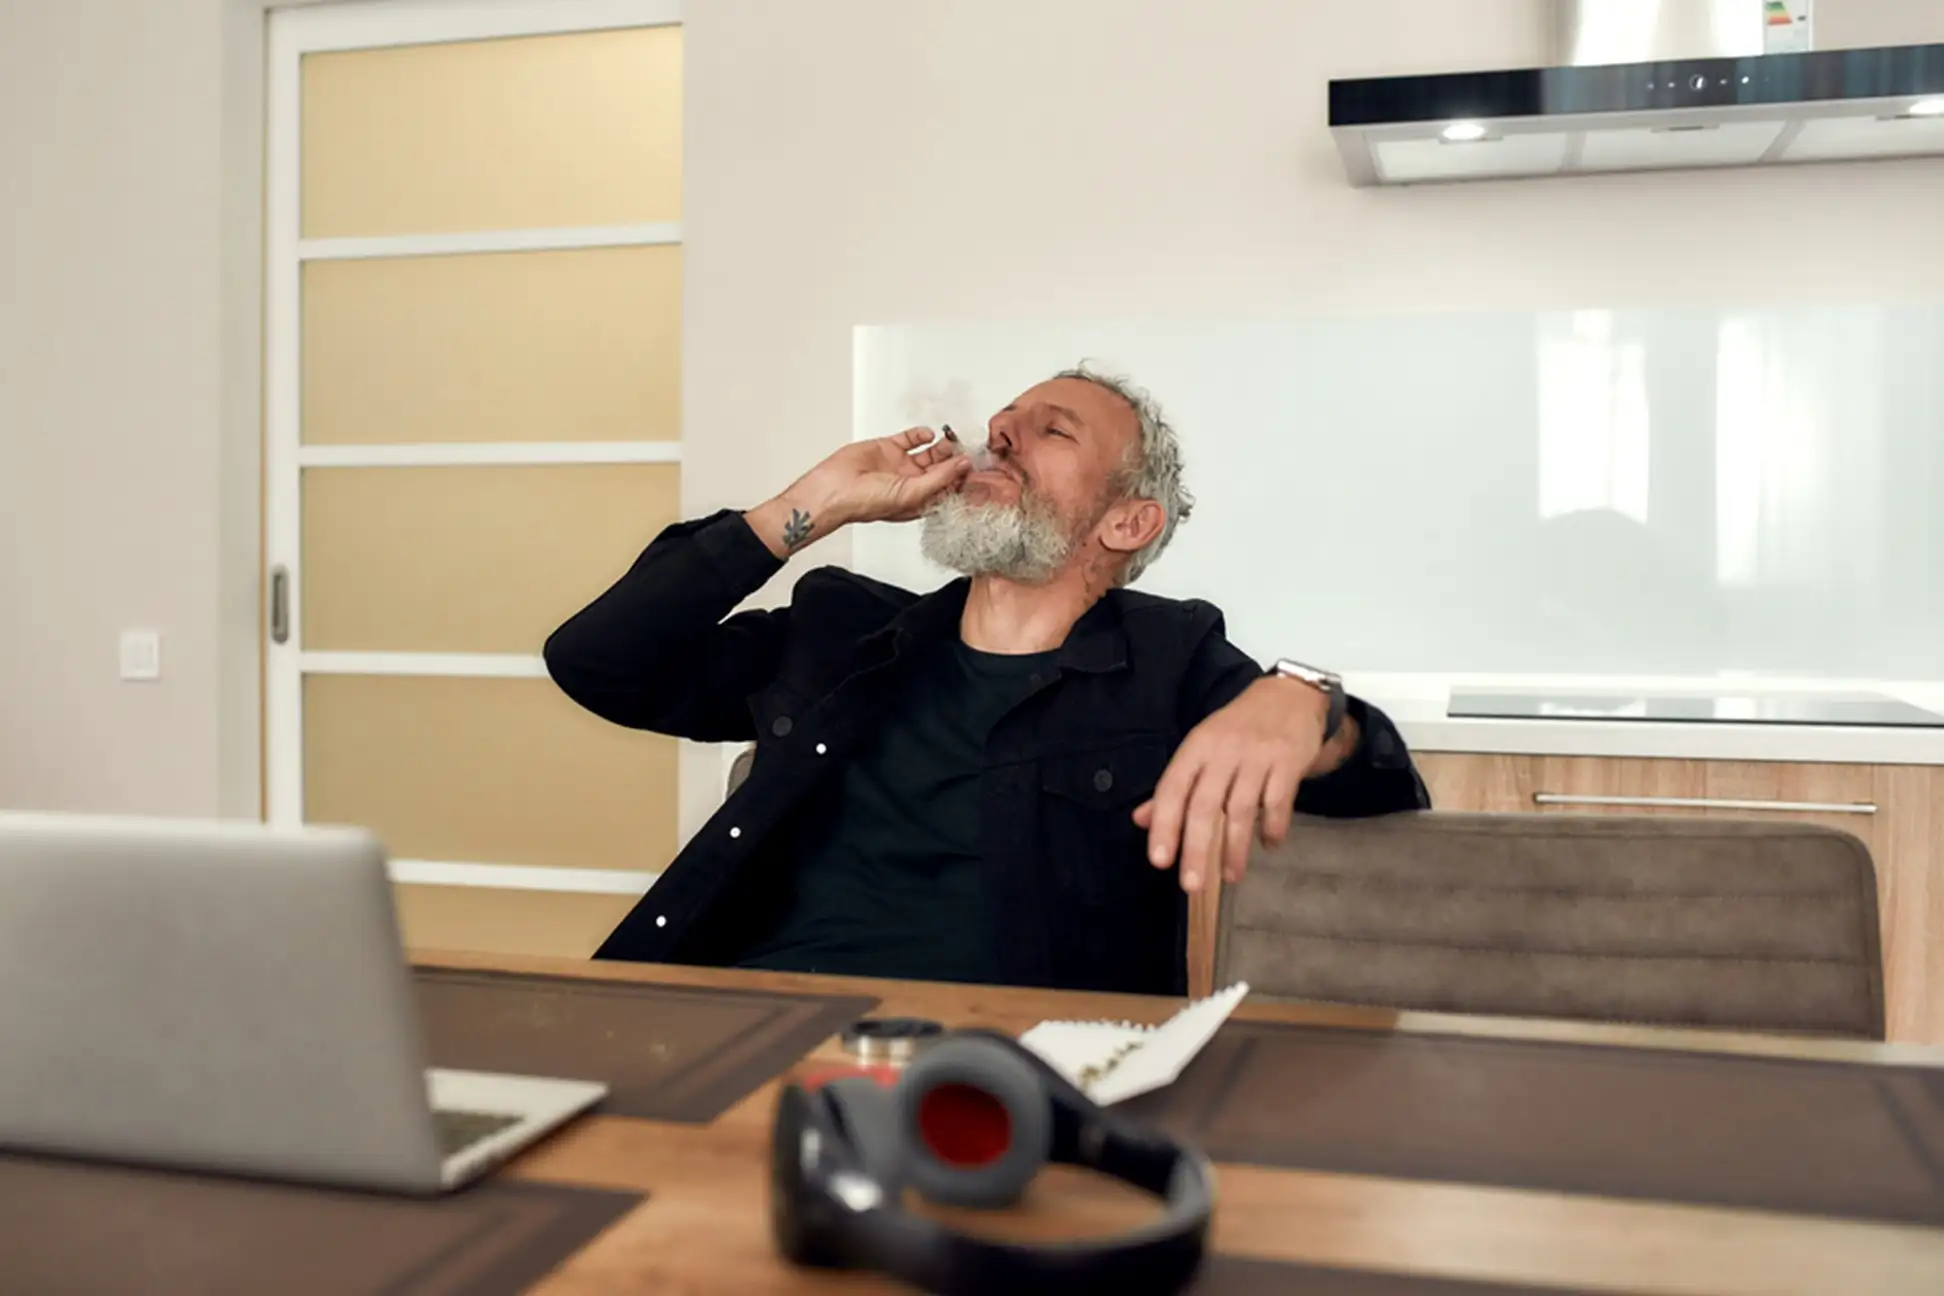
(1513, 783)
(1907, 842)
(1584, 776)
(1905, 833)
(1494, 784)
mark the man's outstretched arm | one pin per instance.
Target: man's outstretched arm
(1256, 756)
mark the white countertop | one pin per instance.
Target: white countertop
(1417, 704)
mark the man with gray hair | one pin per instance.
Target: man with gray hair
(1017, 778)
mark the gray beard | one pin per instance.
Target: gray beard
(1023, 542)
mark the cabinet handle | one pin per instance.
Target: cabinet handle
(1709, 803)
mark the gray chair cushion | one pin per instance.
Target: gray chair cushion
(1709, 923)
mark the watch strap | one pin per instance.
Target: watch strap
(1325, 682)
(1339, 705)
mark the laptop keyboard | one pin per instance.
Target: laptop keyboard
(459, 1130)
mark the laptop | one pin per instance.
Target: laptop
(233, 998)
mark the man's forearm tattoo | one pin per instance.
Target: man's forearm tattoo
(797, 529)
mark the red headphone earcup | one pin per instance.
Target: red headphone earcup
(974, 1122)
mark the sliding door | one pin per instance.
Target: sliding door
(475, 279)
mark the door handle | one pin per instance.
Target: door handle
(279, 604)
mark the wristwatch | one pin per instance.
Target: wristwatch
(1328, 683)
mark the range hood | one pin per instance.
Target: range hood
(1644, 85)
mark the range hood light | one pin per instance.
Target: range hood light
(1927, 108)
(1470, 132)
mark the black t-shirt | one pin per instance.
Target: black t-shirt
(889, 880)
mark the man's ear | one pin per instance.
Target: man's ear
(1131, 525)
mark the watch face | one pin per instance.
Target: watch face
(1308, 674)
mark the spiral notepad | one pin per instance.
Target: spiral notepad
(1111, 1061)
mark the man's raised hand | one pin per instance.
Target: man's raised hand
(887, 479)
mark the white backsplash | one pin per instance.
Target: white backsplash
(1595, 492)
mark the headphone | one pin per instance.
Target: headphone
(969, 1123)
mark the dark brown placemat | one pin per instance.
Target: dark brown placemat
(1820, 1138)
(671, 1053)
(81, 1228)
(1232, 1276)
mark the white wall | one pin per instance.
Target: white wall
(849, 161)
(871, 161)
(114, 268)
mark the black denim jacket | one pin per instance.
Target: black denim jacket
(1071, 901)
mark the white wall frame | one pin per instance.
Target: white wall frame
(520, 877)
(306, 28)
(379, 24)
(437, 665)
(377, 247)
(434, 454)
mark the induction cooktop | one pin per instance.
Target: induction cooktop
(1715, 708)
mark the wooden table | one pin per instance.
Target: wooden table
(704, 1226)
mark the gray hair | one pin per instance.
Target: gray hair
(1153, 467)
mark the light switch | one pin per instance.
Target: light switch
(141, 655)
